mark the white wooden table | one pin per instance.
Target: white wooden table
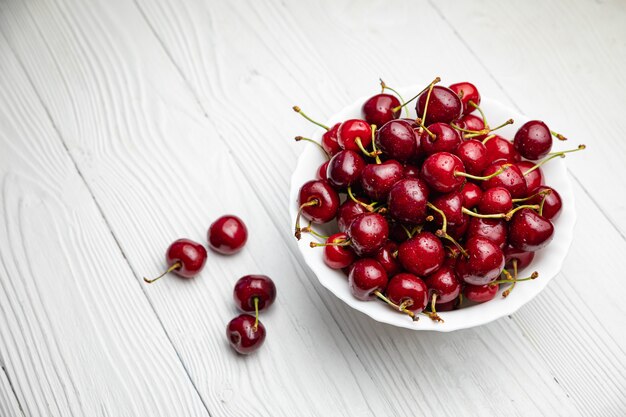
(127, 124)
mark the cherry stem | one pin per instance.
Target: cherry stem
(310, 230)
(408, 232)
(444, 226)
(477, 107)
(443, 232)
(300, 138)
(170, 269)
(506, 216)
(487, 130)
(433, 310)
(540, 193)
(430, 90)
(532, 276)
(510, 214)
(362, 148)
(401, 307)
(386, 87)
(368, 207)
(488, 138)
(558, 135)
(422, 126)
(346, 242)
(256, 313)
(506, 292)
(552, 156)
(376, 152)
(313, 202)
(301, 113)
(543, 201)
(435, 81)
(478, 178)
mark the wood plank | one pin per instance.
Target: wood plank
(77, 335)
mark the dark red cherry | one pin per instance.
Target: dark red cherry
(409, 291)
(398, 232)
(495, 200)
(322, 171)
(366, 277)
(251, 287)
(529, 231)
(471, 195)
(458, 230)
(377, 179)
(473, 123)
(484, 264)
(329, 140)
(338, 256)
(317, 202)
(352, 129)
(440, 172)
(345, 168)
(379, 109)
(534, 179)
(552, 205)
(411, 171)
(407, 201)
(397, 140)
(227, 235)
(446, 139)
(347, 212)
(444, 106)
(493, 229)
(449, 306)
(467, 92)
(533, 140)
(500, 148)
(185, 258)
(511, 179)
(368, 233)
(480, 293)
(385, 256)
(451, 204)
(421, 255)
(245, 334)
(445, 284)
(522, 258)
(474, 156)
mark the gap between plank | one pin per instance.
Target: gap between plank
(17, 399)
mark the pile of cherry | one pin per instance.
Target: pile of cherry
(436, 209)
(227, 236)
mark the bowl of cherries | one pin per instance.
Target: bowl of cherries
(441, 212)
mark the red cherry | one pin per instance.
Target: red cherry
(495, 200)
(368, 233)
(480, 293)
(511, 179)
(484, 263)
(377, 179)
(534, 178)
(471, 195)
(467, 92)
(552, 204)
(445, 139)
(366, 277)
(444, 105)
(408, 291)
(397, 140)
(473, 123)
(449, 306)
(338, 256)
(533, 140)
(185, 258)
(350, 131)
(474, 156)
(411, 171)
(347, 212)
(318, 202)
(227, 235)
(245, 334)
(495, 230)
(440, 171)
(385, 256)
(421, 255)
(329, 140)
(379, 109)
(520, 257)
(500, 148)
(407, 201)
(529, 231)
(254, 293)
(452, 205)
(458, 230)
(322, 171)
(344, 169)
(445, 284)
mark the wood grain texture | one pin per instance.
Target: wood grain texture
(9, 404)
(176, 112)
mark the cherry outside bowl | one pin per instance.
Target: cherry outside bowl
(547, 262)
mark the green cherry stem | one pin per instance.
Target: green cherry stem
(506, 292)
(552, 156)
(386, 87)
(487, 131)
(558, 135)
(301, 113)
(368, 207)
(313, 202)
(300, 138)
(488, 138)
(443, 232)
(477, 107)
(170, 269)
(435, 81)
(256, 313)
(542, 193)
(309, 229)
(478, 178)
(534, 275)
(401, 307)
(346, 242)
(433, 310)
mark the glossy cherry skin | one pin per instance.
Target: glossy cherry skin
(495, 230)
(397, 140)
(472, 122)
(480, 293)
(352, 129)
(329, 140)
(408, 289)
(407, 201)
(378, 110)
(444, 106)
(378, 179)
(327, 201)
(439, 171)
(227, 235)
(449, 306)
(446, 139)
(484, 264)
(421, 255)
(344, 169)
(365, 278)
(411, 171)
(451, 204)
(388, 260)
(553, 204)
(495, 200)
(533, 140)
(474, 156)
(347, 212)
(189, 254)
(471, 195)
(523, 258)
(529, 231)
(467, 92)
(534, 179)
(445, 284)
(458, 230)
(243, 336)
(249, 287)
(322, 171)
(500, 148)
(368, 233)
(511, 179)
(338, 257)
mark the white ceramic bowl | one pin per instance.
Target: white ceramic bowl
(547, 262)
